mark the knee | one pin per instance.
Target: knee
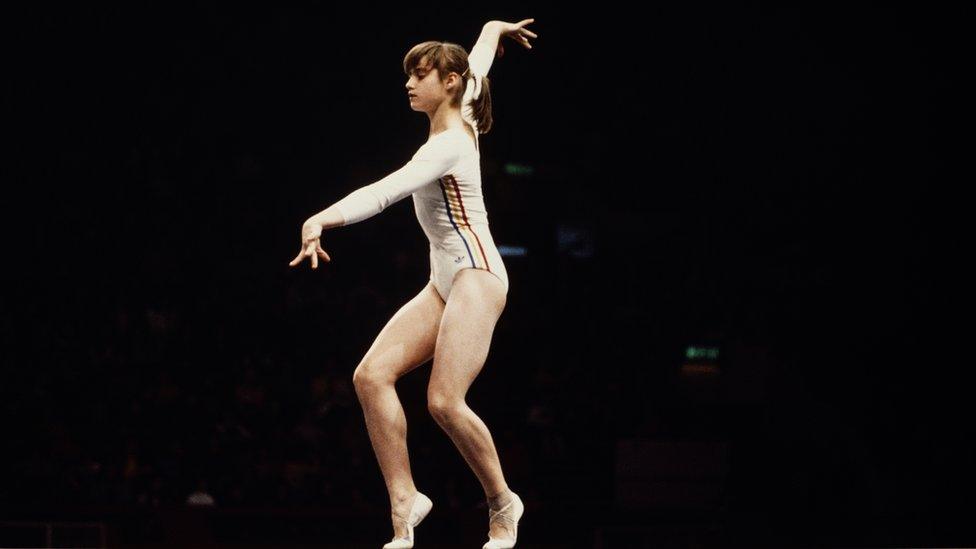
(366, 377)
(444, 408)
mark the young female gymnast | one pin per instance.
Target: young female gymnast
(453, 317)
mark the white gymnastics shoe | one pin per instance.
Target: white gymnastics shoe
(509, 514)
(421, 506)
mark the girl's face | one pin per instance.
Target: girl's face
(425, 90)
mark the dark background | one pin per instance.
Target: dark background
(770, 182)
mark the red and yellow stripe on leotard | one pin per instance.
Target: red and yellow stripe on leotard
(459, 219)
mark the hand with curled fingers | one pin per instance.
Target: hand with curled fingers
(517, 32)
(311, 247)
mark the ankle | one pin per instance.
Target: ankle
(500, 499)
(402, 496)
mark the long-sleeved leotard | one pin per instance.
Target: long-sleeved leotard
(444, 177)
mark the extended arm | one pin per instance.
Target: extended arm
(431, 162)
(483, 52)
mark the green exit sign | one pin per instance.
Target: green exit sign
(693, 353)
(518, 169)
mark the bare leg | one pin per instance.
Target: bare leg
(406, 342)
(476, 302)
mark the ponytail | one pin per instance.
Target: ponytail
(480, 105)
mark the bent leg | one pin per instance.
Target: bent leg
(476, 302)
(406, 342)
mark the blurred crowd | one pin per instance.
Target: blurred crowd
(157, 404)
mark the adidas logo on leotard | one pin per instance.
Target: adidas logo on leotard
(459, 259)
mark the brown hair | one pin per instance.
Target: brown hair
(448, 57)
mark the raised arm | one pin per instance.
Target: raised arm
(432, 161)
(483, 52)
